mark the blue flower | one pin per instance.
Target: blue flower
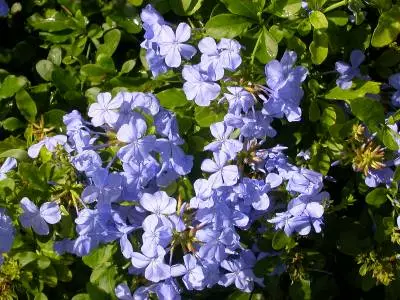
(123, 292)
(377, 177)
(216, 58)
(153, 264)
(104, 110)
(3, 8)
(222, 174)
(155, 234)
(199, 86)
(139, 145)
(349, 71)
(284, 87)
(7, 233)
(50, 143)
(160, 205)
(9, 164)
(106, 187)
(87, 161)
(394, 81)
(193, 273)
(239, 100)
(223, 141)
(305, 181)
(240, 273)
(172, 45)
(49, 213)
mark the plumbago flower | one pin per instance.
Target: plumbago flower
(350, 71)
(9, 164)
(394, 81)
(50, 143)
(3, 8)
(38, 219)
(164, 47)
(7, 233)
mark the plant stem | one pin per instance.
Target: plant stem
(253, 54)
(334, 6)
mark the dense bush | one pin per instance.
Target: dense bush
(199, 148)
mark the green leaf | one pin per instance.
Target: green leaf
(172, 98)
(359, 91)
(128, 66)
(49, 276)
(280, 240)
(43, 262)
(370, 111)
(81, 297)
(106, 277)
(94, 73)
(12, 124)
(40, 296)
(314, 112)
(55, 55)
(246, 8)
(111, 41)
(318, 20)
(26, 105)
(11, 85)
(100, 256)
(338, 17)
(284, 8)
(377, 197)
(18, 154)
(45, 69)
(319, 47)
(227, 26)
(389, 139)
(267, 47)
(54, 118)
(185, 7)
(205, 116)
(25, 257)
(54, 21)
(388, 27)
(300, 290)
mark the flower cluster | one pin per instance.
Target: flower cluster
(144, 140)
(242, 177)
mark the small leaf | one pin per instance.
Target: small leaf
(319, 47)
(45, 69)
(227, 26)
(377, 197)
(359, 91)
(111, 41)
(205, 116)
(318, 20)
(267, 47)
(246, 8)
(18, 154)
(128, 66)
(55, 55)
(26, 105)
(172, 98)
(280, 240)
(11, 85)
(40, 296)
(388, 28)
(185, 7)
(12, 124)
